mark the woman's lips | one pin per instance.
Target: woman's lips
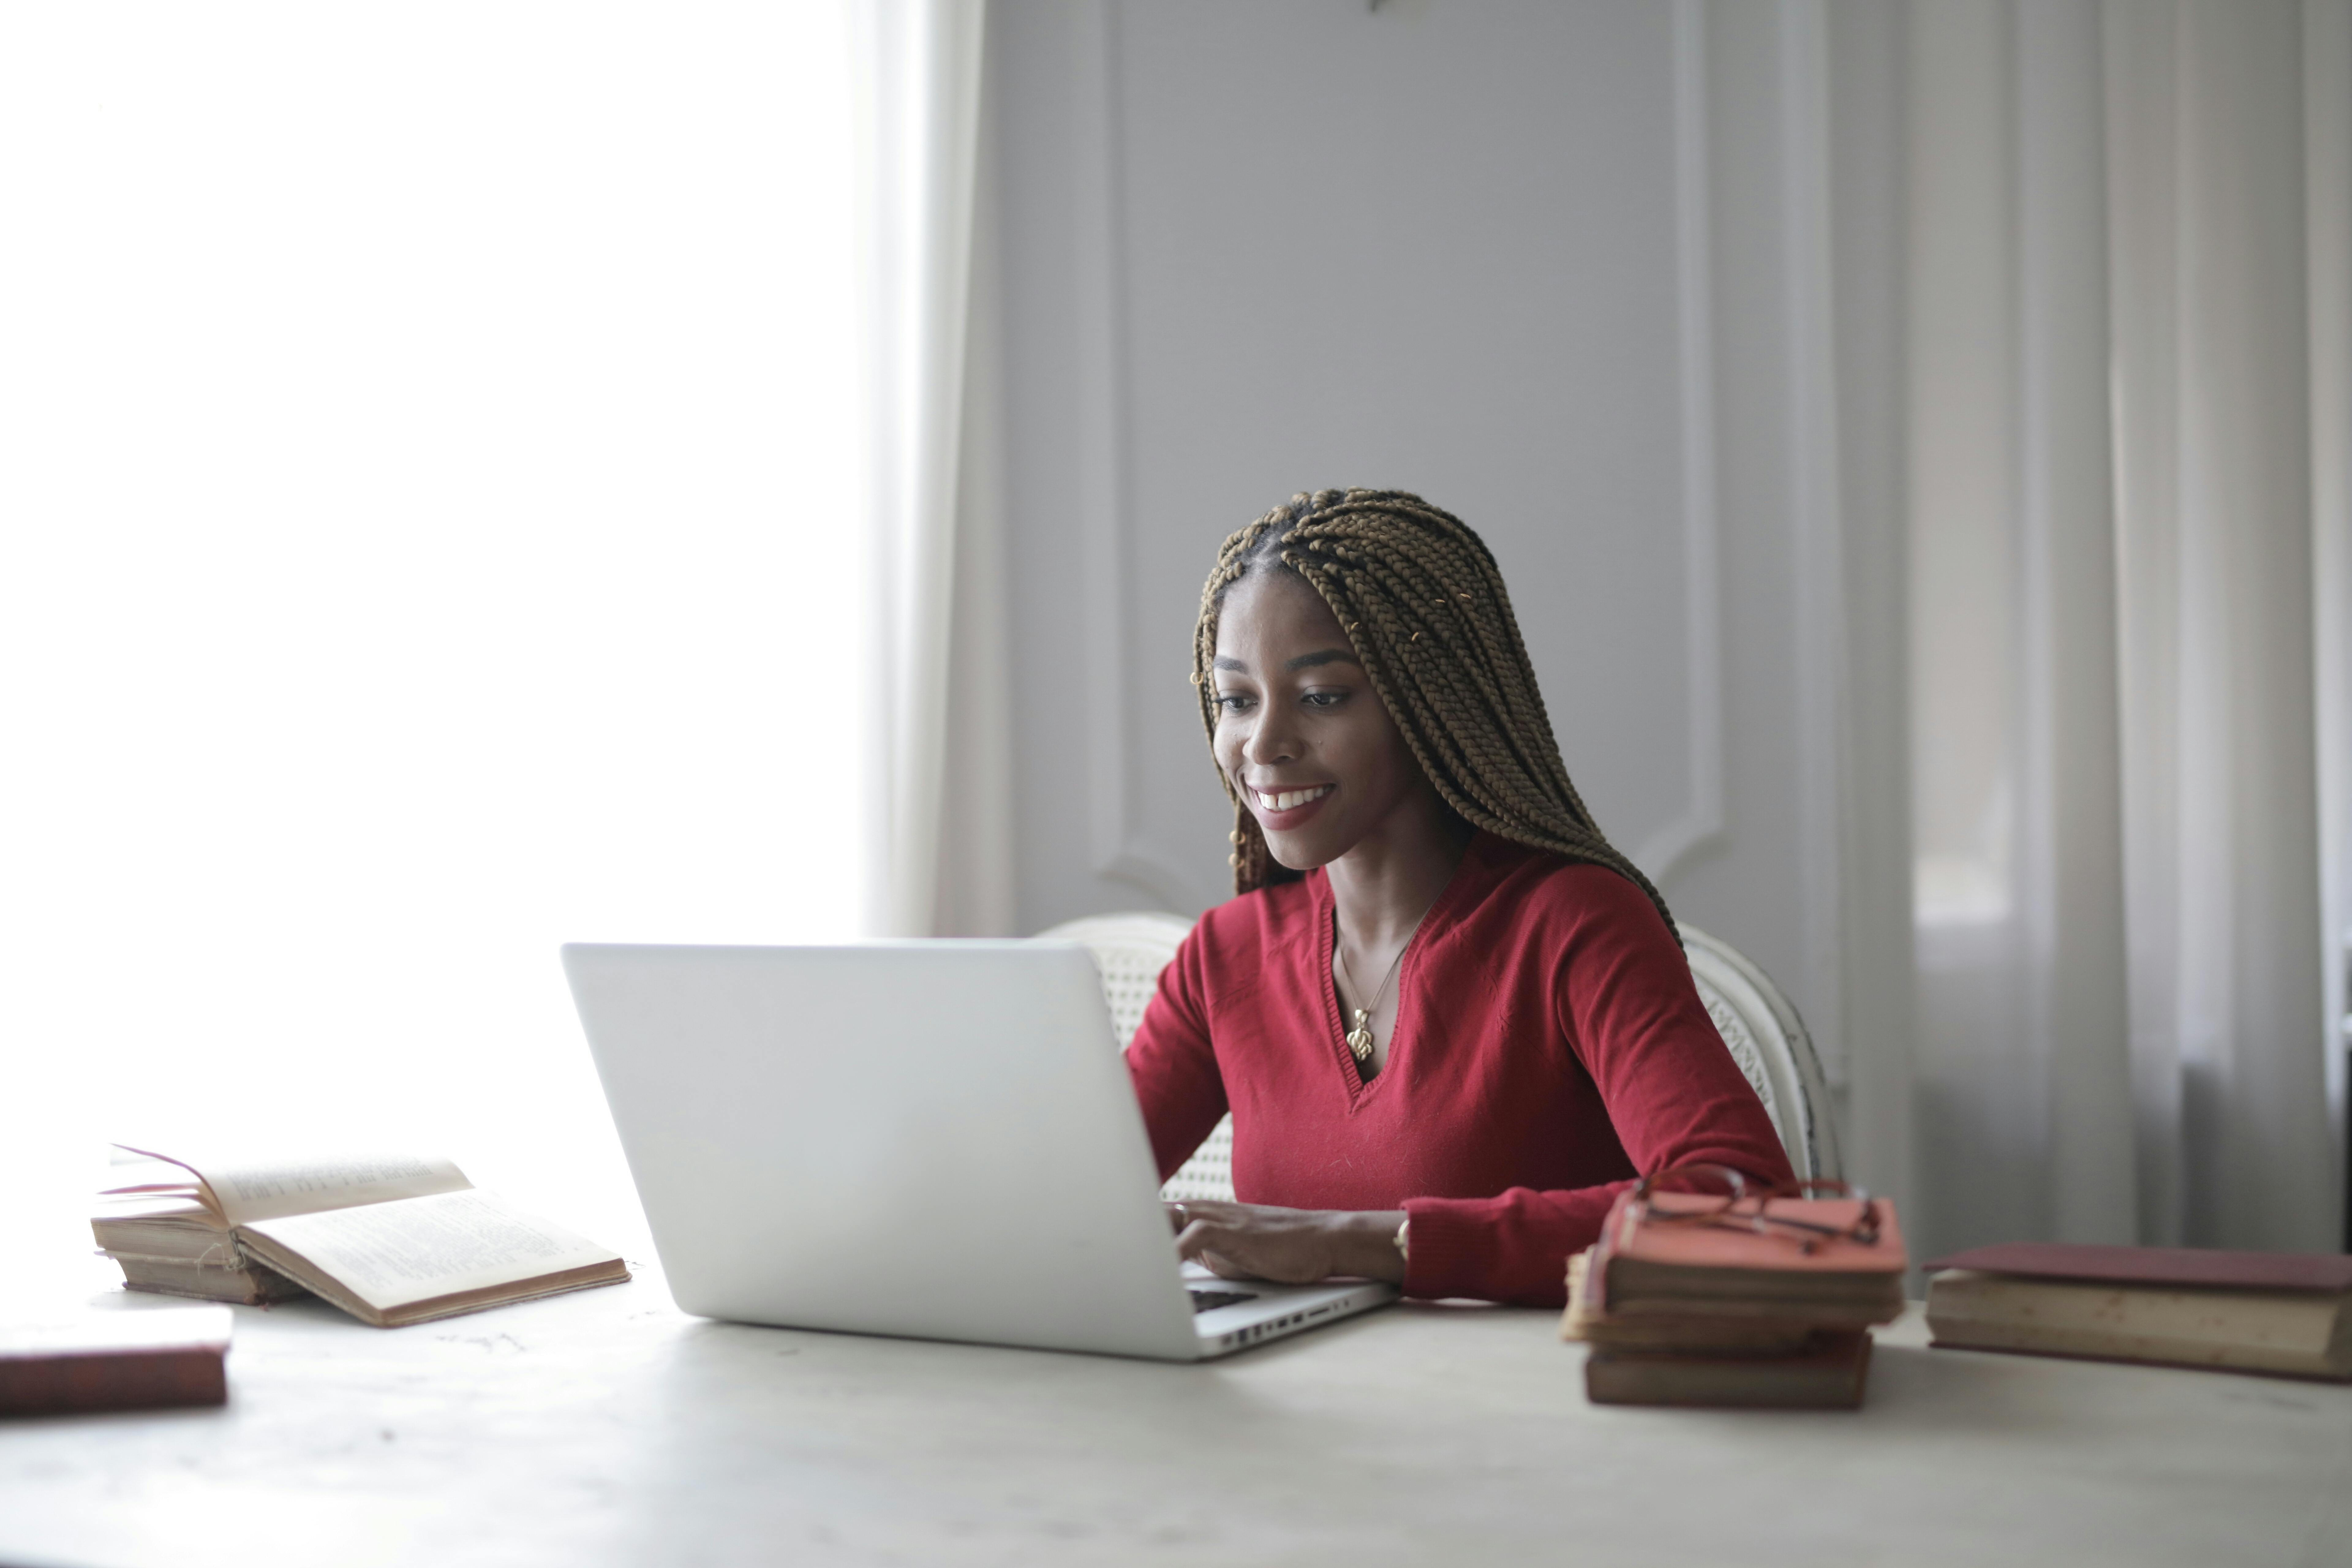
(1287, 808)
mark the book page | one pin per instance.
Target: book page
(250, 1187)
(389, 1255)
(129, 1171)
(184, 1207)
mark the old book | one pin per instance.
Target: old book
(392, 1239)
(2284, 1313)
(246, 1285)
(115, 1361)
(1670, 1254)
(1584, 1321)
(1687, 1299)
(1830, 1375)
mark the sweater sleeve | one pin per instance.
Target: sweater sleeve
(1625, 1003)
(1172, 1064)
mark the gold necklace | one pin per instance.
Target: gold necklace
(1360, 1038)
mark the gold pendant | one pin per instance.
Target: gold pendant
(1360, 1038)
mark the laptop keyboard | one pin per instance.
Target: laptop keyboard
(1209, 1300)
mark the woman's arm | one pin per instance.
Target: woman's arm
(1626, 1004)
(1182, 1094)
(1172, 1064)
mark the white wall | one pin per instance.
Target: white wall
(1563, 269)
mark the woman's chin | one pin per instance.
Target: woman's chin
(1301, 851)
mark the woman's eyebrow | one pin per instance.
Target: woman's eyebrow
(1325, 656)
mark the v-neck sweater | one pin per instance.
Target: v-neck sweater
(1549, 1047)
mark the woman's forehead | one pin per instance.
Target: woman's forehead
(1269, 612)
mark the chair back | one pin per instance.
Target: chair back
(1769, 1041)
(1759, 1028)
(1131, 950)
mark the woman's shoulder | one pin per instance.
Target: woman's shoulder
(1569, 898)
(1279, 915)
(1235, 944)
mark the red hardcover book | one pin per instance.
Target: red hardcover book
(2184, 1267)
(1668, 1254)
(115, 1361)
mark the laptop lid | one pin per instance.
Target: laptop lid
(935, 1139)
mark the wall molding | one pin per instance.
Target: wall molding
(1103, 446)
(1699, 828)
(1816, 514)
(1117, 851)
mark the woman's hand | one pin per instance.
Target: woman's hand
(1289, 1246)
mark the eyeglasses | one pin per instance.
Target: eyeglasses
(1719, 1197)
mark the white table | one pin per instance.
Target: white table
(608, 1428)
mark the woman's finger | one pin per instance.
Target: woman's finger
(1194, 1244)
(1228, 1251)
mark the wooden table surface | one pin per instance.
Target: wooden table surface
(607, 1428)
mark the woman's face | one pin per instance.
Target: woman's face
(1300, 732)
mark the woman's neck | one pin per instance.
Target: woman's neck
(1384, 886)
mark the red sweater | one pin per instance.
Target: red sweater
(1549, 1047)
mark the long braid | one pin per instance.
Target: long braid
(1423, 606)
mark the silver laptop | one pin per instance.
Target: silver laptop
(931, 1138)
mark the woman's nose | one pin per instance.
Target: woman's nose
(1272, 739)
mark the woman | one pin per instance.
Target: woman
(1450, 1022)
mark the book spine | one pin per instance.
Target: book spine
(1822, 1381)
(146, 1380)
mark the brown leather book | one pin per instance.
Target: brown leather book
(115, 1361)
(1583, 1321)
(250, 1285)
(1831, 1376)
(2284, 1313)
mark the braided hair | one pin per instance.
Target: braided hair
(1419, 599)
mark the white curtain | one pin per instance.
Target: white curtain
(2128, 540)
(919, 74)
(422, 540)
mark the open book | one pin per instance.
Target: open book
(391, 1239)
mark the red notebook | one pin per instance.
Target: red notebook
(115, 1361)
(2178, 1267)
(1627, 1233)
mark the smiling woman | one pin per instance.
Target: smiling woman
(1450, 1021)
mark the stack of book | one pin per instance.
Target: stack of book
(2286, 1313)
(1687, 1300)
(391, 1239)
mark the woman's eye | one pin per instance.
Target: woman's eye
(1232, 702)
(1324, 699)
